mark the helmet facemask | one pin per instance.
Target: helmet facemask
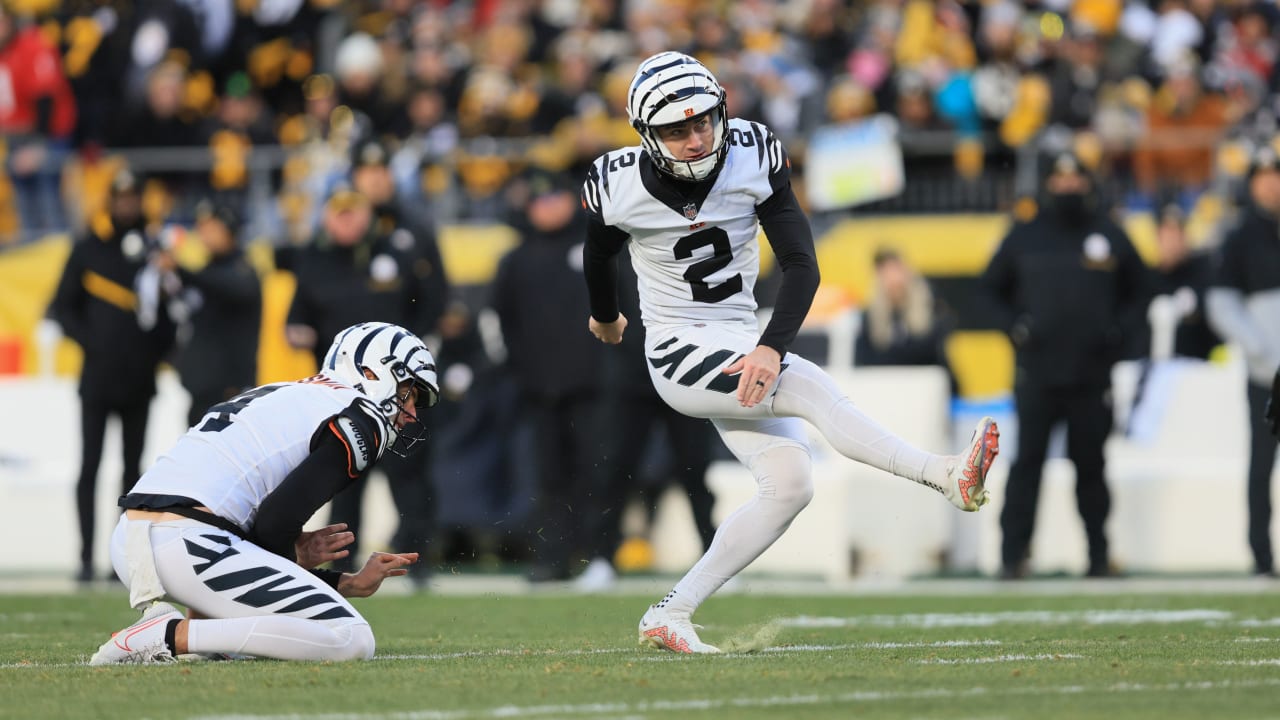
(407, 437)
(670, 89)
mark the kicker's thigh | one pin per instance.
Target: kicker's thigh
(686, 364)
(749, 439)
(221, 576)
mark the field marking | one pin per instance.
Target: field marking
(1261, 662)
(1036, 617)
(999, 659)
(669, 706)
(1257, 639)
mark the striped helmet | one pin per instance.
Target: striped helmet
(391, 355)
(671, 88)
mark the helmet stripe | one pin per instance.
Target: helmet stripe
(400, 335)
(333, 354)
(650, 72)
(364, 345)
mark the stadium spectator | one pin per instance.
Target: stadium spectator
(1240, 308)
(1184, 124)
(902, 324)
(1183, 275)
(706, 358)
(1064, 351)
(354, 271)
(97, 305)
(220, 308)
(537, 293)
(222, 510)
(37, 119)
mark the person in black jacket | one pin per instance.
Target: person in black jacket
(1243, 308)
(223, 302)
(538, 296)
(97, 306)
(351, 273)
(1069, 285)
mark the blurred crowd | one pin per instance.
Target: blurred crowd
(263, 101)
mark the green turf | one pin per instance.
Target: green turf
(1014, 656)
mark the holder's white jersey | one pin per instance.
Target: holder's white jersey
(696, 253)
(242, 449)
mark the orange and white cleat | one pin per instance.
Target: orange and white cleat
(966, 486)
(665, 630)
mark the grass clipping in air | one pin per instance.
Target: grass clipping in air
(753, 639)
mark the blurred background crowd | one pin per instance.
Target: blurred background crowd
(264, 101)
(329, 137)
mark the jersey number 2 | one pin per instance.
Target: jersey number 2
(697, 274)
(223, 411)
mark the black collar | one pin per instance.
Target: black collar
(682, 197)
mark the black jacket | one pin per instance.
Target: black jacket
(96, 306)
(221, 355)
(541, 301)
(1068, 294)
(384, 278)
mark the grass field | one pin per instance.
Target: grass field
(541, 656)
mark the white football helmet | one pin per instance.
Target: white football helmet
(670, 88)
(391, 355)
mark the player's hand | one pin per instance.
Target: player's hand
(379, 567)
(759, 371)
(608, 332)
(317, 547)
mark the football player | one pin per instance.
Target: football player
(690, 200)
(216, 523)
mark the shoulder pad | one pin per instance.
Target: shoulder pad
(363, 431)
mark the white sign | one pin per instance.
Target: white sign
(854, 163)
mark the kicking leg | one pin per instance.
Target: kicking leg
(804, 390)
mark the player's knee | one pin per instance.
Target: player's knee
(786, 476)
(359, 643)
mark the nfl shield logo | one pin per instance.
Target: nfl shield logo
(690, 210)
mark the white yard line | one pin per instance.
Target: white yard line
(1254, 663)
(1031, 617)
(998, 659)
(670, 706)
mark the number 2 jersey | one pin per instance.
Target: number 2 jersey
(694, 244)
(270, 457)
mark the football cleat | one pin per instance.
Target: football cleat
(967, 473)
(665, 630)
(142, 643)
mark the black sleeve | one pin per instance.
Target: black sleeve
(235, 284)
(68, 305)
(787, 229)
(332, 465)
(1000, 283)
(433, 282)
(600, 266)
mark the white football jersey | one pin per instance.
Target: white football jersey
(696, 256)
(242, 449)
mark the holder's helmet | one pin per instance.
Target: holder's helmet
(375, 358)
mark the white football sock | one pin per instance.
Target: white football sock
(785, 488)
